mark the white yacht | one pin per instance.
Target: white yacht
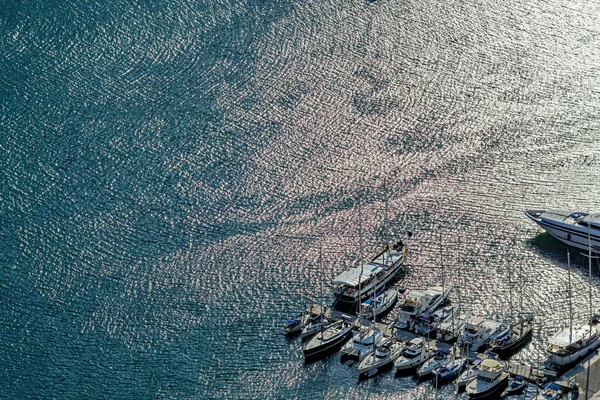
(451, 330)
(568, 346)
(478, 331)
(577, 229)
(416, 352)
(418, 302)
(491, 380)
(358, 284)
(428, 323)
(362, 344)
(383, 357)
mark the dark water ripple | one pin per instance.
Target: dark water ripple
(170, 173)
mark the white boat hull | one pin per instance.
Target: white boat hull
(572, 235)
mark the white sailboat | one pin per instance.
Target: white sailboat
(570, 345)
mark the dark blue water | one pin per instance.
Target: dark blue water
(170, 170)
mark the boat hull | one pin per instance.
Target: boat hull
(329, 348)
(495, 392)
(567, 233)
(570, 359)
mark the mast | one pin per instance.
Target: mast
(442, 264)
(570, 299)
(322, 295)
(590, 271)
(360, 246)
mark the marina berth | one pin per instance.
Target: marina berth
(490, 382)
(358, 284)
(569, 346)
(577, 229)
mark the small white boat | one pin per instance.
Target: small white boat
(554, 391)
(380, 305)
(467, 376)
(362, 344)
(418, 302)
(383, 357)
(294, 325)
(439, 358)
(478, 331)
(416, 352)
(515, 385)
(448, 371)
(451, 330)
(314, 324)
(328, 340)
(491, 380)
(430, 322)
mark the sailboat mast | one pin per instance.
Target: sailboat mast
(570, 299)
(360, 246)
(590, 271)
(322, 277)
(442, 264)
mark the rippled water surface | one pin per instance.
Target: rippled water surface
(170, 170)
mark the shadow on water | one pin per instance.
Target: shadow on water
(556, 251)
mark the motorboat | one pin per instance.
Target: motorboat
(362, 343)
(554, 391)
(294, 325)
(358, 284)
(380, 305)
(328, 340)
(314, 324)
(382, 358)
(440, 357)
(468, 375)
(577, 229)
(570, 345)
(478, 331)
(491, 380)
(516, 385)
(428, 323)
(451, 330)
(448, 371)
(418, 302)
(505, 343)
(416, 352)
